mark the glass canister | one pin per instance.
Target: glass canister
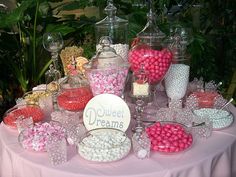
(74, 90)
(177, 79)
(148, 51)
(107, 71)
(114, 27)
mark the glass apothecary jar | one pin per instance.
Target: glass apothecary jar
(149, 52)
(114, 27)
(107, 71)
(75, 92)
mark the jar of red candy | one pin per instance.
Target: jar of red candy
(75, 91)
(148, 51)
(107, 71)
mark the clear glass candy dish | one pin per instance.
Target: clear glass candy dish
(22, 111)
(104, 145)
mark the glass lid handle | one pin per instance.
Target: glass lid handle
(110, 9)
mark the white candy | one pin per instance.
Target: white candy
(176, 81)
(104, 146)
(219, 118)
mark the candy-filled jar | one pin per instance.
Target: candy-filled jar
(106, 71)
(177, 79)
(74, 91)
(114, 27)
(149, 53)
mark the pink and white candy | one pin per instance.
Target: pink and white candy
(36, 138)
(110, 80)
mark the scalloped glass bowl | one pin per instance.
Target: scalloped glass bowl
(104, 145)
(168, 137)
(23, 111)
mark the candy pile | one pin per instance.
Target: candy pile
(154, 61)
(104, 145)
(107, 80)
(74, 99)
(23, 111)
(33, 97)
(169, 137)
(121, 49)
(36, 138)
(219, 118)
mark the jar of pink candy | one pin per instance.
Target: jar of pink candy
(106, 71)
(148, 51)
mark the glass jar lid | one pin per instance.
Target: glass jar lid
(114, 27)
(106, 57)
(151, 34)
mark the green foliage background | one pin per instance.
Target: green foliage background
(23, 61)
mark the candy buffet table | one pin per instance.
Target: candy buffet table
(212, 157)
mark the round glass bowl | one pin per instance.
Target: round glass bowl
(36, 137)
(104, 145)
(169, 137)
(22, 111)
(74, 99)
(220, 118)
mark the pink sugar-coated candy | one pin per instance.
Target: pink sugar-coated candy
(169, 138)
(156, 62)
(36, 138)
(107, 81)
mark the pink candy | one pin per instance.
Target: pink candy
(107, 80)
(36, 138)
(169, 137)
(154, 61)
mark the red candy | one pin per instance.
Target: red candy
(169, 137)
(206, 99)
(25, 111)
(74, 99)
(154, 61)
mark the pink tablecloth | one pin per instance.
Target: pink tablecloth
(212, 157)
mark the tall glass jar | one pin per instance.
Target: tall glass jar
(148, 52)
(107, 71)
(177, 79)
(114, 27)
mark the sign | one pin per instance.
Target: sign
(106, 111)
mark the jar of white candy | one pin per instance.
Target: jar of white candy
(104, 145)
(107, 71)
(114, 27)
